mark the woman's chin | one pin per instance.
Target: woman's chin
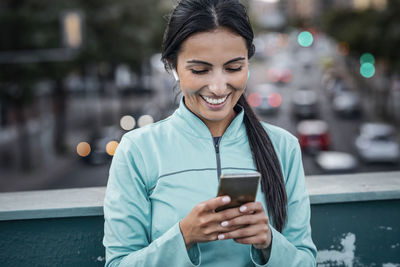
(215, 116)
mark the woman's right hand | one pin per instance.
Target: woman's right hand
(203, 224)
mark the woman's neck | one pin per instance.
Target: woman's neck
(218, 128)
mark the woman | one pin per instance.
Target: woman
(160, 201)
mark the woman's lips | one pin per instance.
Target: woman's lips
(216, 106)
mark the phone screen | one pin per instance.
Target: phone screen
(241, 187)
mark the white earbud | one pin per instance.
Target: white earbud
(175, 75)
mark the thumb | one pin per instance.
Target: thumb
(216, 202)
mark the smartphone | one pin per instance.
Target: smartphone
(241, 187)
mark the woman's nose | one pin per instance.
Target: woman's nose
(218, 84)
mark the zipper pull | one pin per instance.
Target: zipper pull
(217, 148)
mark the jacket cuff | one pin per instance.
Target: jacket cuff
(257, 256)
(193, 255)
(279, 248)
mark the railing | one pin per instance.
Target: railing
(355, 222)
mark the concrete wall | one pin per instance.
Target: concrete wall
(357, 233)
(355, 222)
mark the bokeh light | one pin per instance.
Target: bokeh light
(367, 58)
(145, 120)
(327, 62)
(367, 70)
(254, 99)
(127, 122)
(273, 75)
(343, 48)
(83, 149)
(305, 39)
(111, 147)
(274, 100)
(286, 75)
(283, 40)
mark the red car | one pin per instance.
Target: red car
(313, 135)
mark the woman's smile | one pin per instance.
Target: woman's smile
(215, 102)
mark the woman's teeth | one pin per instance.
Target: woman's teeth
(214, 101)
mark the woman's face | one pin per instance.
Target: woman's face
(213, 69)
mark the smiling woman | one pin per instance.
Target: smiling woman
(213, 77)
(161, 207)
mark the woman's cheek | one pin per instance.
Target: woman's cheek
(240, 82)
(192, 87)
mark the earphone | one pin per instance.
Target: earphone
(175, 75)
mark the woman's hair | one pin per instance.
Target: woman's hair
(193, 16)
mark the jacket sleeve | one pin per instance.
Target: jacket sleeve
(127, 214)
(294, 246)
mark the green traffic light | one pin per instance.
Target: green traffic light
(367, 70)
(367, 58)
(305, 39)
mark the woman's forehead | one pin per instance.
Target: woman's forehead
(219, 44)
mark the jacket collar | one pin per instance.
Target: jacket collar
(192, 124)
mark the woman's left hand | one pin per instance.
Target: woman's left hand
(254, 228)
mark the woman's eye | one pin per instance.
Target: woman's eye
(199, 71)
(234, 69)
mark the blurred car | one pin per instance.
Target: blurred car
(377, 143)
(305, 59)
(269, 99)
(347, 104)
(279, 75)
(336, 162)
(98, 142)
(313, 135)
(335, 87)
(304, 104)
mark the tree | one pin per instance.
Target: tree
(369, 30)
(115, 31)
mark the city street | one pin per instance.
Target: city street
(343, 131)
(85, 112)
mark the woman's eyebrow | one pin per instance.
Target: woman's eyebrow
(199, 62)
(233, 60)
(209, 64)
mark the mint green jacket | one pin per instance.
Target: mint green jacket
(161, 171)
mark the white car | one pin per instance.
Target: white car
(304, 104)
(336, 162)
(347, 104)
(377, 143)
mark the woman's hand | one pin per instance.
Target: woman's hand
(203, 224)
(250, 228)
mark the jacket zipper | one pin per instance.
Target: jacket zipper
(216, 146)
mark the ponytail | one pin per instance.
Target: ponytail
(267, 163)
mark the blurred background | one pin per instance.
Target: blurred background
(76, 75)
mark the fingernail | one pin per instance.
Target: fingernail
(224, 223)
(226, 199)
(221, 236)
(243, 208)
